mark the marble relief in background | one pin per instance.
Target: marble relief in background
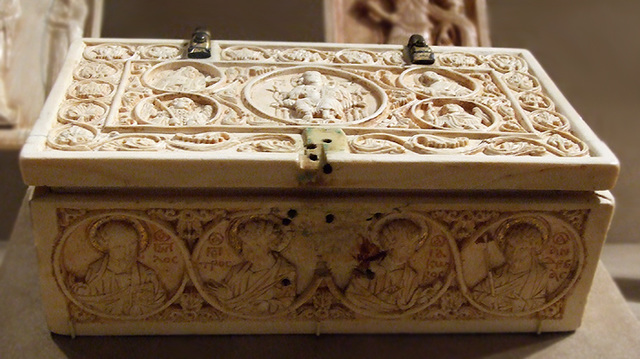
(34, 38)
(441, 22)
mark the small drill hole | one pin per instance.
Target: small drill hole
(292, 213)
(313, 157)
(327, 140)
(286, 282)
(327, 169)
(312, 146)
(286, 221)
(369, 274)
(329, 218)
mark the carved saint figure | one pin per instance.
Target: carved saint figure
(434, 84)
(312, 98)
(456, 117)
(522, 283)
(189, 112)
(265, 282)
(440, 22)
(392, 284)
(117, 283)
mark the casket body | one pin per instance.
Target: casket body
(312, 188)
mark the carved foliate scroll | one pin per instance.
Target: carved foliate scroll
(224, 264)
(259, 98)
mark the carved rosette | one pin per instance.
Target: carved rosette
(246, 53)
(161, 52)
(143, 97)
(216, 264)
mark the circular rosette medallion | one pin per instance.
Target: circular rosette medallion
(91, 89)
(95, 70)
(244, 53)
(438, 82)
(404, 266)
(182, 76)
(161, 52)
(315, 96)
(246, 268)
(521, 264)
(351, 56)
(459, 59)
(454, 114)
(92, 112)
(120, 266)
(177, 110)
(521, 81)
(109, 52)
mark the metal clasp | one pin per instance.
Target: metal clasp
(419, 52)
(317, 143)
(200, 45)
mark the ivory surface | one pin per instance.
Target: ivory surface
(312, 188)
(286, 115)
(368, 263)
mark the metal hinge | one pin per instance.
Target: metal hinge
(317, 143)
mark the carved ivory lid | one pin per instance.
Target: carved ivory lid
(135, 113)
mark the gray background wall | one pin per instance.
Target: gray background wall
(591, 48)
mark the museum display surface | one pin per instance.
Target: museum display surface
(312, 188)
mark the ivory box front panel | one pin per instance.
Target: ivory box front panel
(316, 263)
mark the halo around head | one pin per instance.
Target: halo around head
(376, 230)
(96, 240)
(235, 242)
(540, 224)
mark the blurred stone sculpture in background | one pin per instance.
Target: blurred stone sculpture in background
(440, 22)
(36, 34)
(65, 23)
(9, 14)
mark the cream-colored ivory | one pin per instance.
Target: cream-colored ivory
(157, 264)
(281, 187)
(485, 111)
